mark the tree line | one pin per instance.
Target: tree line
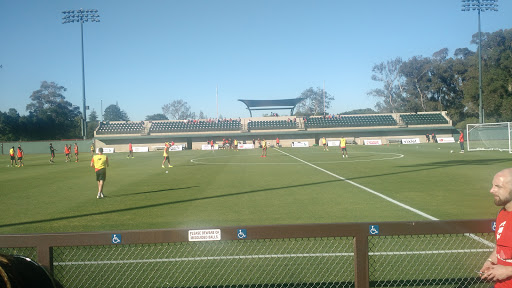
(439, 82)
(419, 84)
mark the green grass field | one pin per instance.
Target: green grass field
(229, 188)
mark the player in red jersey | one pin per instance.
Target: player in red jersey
(498, 267)
(76, 152)
(461, 141)
(130, 150)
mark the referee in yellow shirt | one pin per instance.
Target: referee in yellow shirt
(100, 164)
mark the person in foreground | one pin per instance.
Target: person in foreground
(100, 164)
(17, 271)
(498, 267)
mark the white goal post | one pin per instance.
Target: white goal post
(489, 136)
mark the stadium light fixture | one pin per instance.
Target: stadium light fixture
(81, 16)
(480, 6)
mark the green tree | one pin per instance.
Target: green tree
(391, 95)
(202, 115)
(9, 125)
(92, 124)
(50, 115)
(178, 110)
(114, 113)
(360, 111)
(314, 102)
(155, 117)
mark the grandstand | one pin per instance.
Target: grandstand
(120, 127)
(272, 124)
(192, 134)
(351, 121)
(194, 126)
(424, 119)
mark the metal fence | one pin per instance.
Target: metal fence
(386, 254)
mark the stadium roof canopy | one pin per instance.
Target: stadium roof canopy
(280, 104)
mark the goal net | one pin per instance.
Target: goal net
(489, 136)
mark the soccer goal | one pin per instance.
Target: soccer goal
(489, 136)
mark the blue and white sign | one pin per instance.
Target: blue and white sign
(494, 226)
(374, 229)
(241, 233)
(116, 238)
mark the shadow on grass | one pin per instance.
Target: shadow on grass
(150, 192)
(433, 166)
(161, 204)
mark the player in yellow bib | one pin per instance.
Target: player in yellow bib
(166, 156)
(324, 143)
(263, 148)
(343, 146)
(100, 164)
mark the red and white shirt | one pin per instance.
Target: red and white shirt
(503, 235)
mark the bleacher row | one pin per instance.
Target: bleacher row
(269, 125)
(120, 128)
(236, 125)
(180, 126)
(350, 121)
(423, 119)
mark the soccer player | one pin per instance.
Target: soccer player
(166, 156)
(236, 144)
(263, 148)
(100, 164)
(92, 149)
(461, 141)
(67, 150)
(76, 152)
(130, 150)
(324, 143)
(52, 153)
(277, 142)
(343, 146)
(20, 156)
(13, 157)
(212, 146)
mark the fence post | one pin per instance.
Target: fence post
(45, 256)
(361, 261)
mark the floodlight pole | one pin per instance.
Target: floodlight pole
(81, 16)
(480, 5)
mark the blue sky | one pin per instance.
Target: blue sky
(144, 54)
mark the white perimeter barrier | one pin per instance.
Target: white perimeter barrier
(411, 141)
(300, 144)
(209, 147)
(373, 142)
(245, 146)
(446, 140)
(177, 148)
(140, 149)
(106, 150)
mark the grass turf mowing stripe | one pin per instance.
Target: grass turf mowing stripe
(383, 196)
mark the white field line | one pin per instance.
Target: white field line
(385, 197)
(268, 256)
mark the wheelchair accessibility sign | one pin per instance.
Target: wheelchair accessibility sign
(116, 238)
(241, 233)
(374, 229)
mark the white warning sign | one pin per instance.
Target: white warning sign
(204, 235)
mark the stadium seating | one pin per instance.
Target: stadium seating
(424, 119)
(120, 128)
(350, 121)
(194, 126)
(271, 125)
